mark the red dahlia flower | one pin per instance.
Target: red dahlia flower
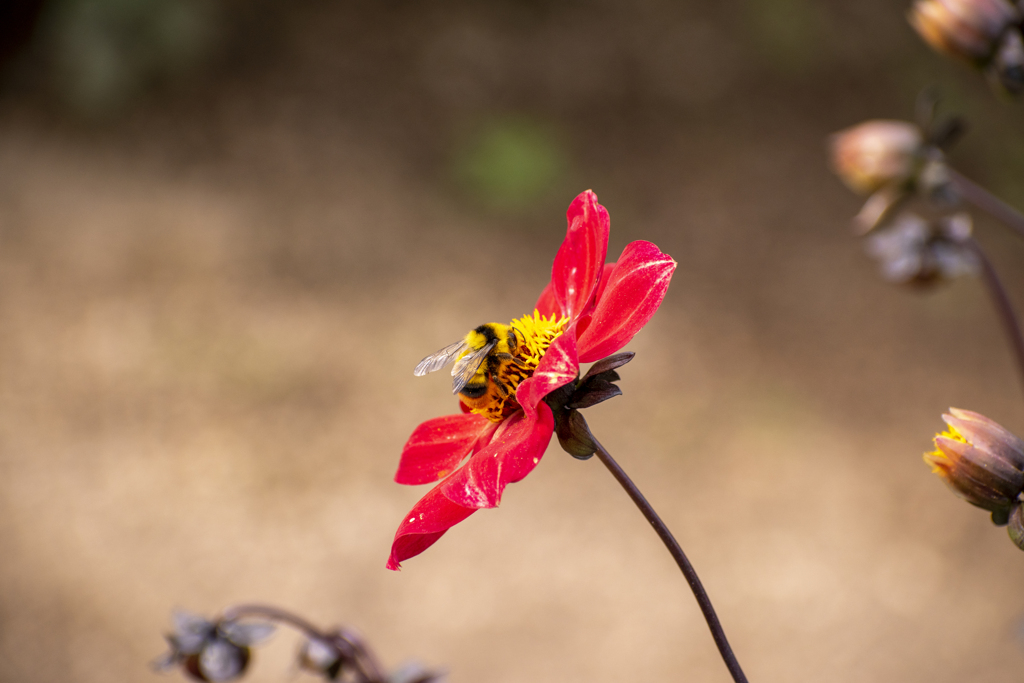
(589, 310)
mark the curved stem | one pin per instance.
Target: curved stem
(1007, 316)
(367, 664)
(369, 670)
(677, 554)
(988, 202)
(274, 614)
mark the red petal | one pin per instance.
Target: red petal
(426, 522)
(580, 259)
(514, 451)
(634, 290)
(558, 367)
(437, 447)
(602, 285)
(547, 304)
(521, 462)
(584, 322)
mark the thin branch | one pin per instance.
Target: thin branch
(369, 670)
(367, 664)
(1004, 309)
(274, 614)
(988, 202)
(684, 564)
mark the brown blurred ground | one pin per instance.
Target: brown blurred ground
(211, 304)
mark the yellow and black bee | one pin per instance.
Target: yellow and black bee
(486, 370)
(492, 360)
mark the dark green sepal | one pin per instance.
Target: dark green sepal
(597, 385)
(558, 398)
(574, 435)
(609, 364)
(595, 392)
(565, 402)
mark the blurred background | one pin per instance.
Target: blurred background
(229, 230)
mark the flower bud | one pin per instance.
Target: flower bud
(323, 658)
(220, 660)
(877, 153)
(1016, 525)
(966, 29)
(980, 460)
(574, 435)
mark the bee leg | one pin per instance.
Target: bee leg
(518, 365)
(502, 388)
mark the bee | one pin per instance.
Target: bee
(484, 359)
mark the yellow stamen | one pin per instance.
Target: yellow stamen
(939, 461)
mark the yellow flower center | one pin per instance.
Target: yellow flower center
(491, 391)
(938, 460)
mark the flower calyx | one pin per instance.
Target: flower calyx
(339, 655)
(596, 386)
(327, 657)
(1015, 524)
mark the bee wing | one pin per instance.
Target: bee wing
(467, 366)
(439, 359)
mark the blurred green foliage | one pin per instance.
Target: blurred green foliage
(787, 32)
(101, 54)
(510, 163)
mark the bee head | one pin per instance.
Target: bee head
(483, 335)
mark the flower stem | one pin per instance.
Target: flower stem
(1001, 300)
(274, 614)
(988, 202)
(368, 670)
(680, 557)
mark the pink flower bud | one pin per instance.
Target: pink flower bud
(966, 29)
(877, 153)
(980, 460)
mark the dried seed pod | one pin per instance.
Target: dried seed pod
(212, 651)
(918, 252)
(322, 657)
